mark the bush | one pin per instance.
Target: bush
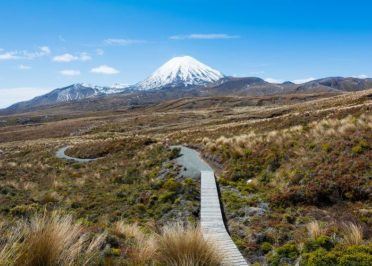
(288, 251)
(167, 196)
(266, 247)
(172, 184)
(320, 242)
(358, 255)
(319, 257)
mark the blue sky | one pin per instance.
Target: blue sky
(50, 44)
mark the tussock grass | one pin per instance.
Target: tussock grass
(353, 234)
(128, 230)
(316, 130)
(48, 240)
(314, 229)
(185, 246)
(175, 245)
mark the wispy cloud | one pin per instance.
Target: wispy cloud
(104, 69)
(361, 76)
(9, 56)
(300, 81)
(67, 57)
(70, 72)
(210, 36)
(122, 42)
(24, 54)
(273, 80)
(24, 67)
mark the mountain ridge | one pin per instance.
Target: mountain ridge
(184, 77)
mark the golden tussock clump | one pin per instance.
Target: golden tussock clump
(314, 229)
(185, 246)
(49, 240)
(353, 234)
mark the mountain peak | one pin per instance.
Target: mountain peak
(181, 71)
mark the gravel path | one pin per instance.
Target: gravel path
(61, 154)
(192, 163)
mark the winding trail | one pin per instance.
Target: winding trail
(60, 153)
(211, 219)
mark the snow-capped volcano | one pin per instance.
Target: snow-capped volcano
(180, 71)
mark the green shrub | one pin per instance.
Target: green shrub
(345, 256)
(288, 251)
(321, 242)
(266, 247)
(358, 259)
(319, 257)
(172, 184)
(167, 196)
(326, 147)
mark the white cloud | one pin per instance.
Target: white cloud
(70, 72)
(361, 76)
(211, 36)
(272, 80)
(45, 50)
(104, 69)
(122, 42)
(13, 95)
(24, 54)
(65, 58)
(24, 67)
(100, 52)
(9, 56)
(300, 81)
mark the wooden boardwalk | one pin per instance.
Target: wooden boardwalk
(211, 220)
(212, 223)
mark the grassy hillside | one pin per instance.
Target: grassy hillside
(294, 174)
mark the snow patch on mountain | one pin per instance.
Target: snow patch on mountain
(181, 71)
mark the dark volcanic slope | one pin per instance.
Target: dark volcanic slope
(250, 86)
(336, 83)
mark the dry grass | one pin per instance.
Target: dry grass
(185, 246)
(128, 230)
(176, 245)
(48, 240)
(143, 245)
(316, 130)
(314, 229)
(353, 234)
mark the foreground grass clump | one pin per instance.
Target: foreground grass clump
(173, 245)
(180, 246)
(47, 240)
